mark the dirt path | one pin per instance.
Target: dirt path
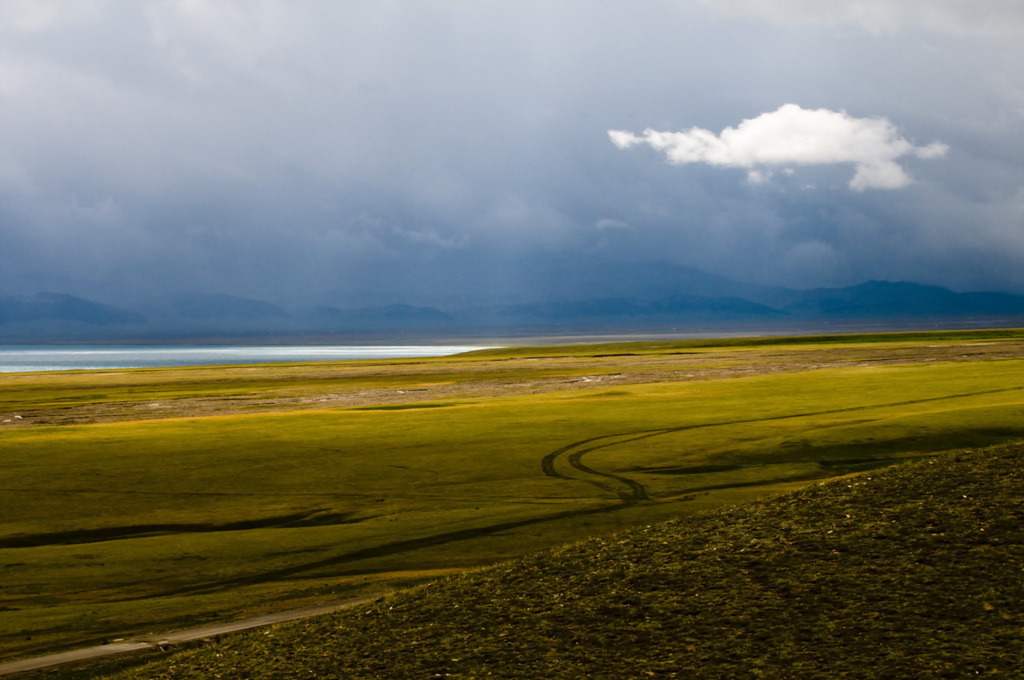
(162, 642)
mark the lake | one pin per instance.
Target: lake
(63, 358)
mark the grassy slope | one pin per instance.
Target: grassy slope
(161, 524)
(908, 572)
(410, 491)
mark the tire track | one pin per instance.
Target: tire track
(637, 492)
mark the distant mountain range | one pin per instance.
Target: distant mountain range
(616, 298)
(54, 307)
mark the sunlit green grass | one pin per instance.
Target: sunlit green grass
(113, 529)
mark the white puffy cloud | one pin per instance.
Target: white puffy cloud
(790, 136)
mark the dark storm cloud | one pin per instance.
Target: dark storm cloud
(398, 151)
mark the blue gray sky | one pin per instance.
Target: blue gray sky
(394, 151)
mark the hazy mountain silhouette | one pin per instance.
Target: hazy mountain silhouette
(882, 299)
(607, 298)
(63, 307)
(203, 307)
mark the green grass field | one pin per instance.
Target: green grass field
(252, 489)
(909, 572)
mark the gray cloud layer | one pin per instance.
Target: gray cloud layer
(956, 17)
(394, 151)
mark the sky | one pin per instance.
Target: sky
(367, 152)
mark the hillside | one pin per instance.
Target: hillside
(908, 572)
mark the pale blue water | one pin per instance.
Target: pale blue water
(62, 358)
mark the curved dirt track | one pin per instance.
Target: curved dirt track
(162, 642)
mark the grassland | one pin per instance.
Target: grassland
(146, 500)
(907, 572)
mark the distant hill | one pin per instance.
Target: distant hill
(611, 311)
(878, 301)
(908, 572)
(374, 318)
(623, 298)
(561, 280)
(200, 307)
(62, 307)
(881, 299)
